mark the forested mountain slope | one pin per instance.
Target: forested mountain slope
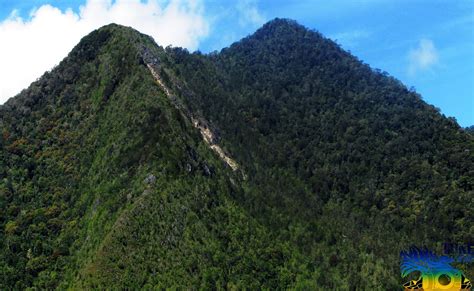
(107, 179)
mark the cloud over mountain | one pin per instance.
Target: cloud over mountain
(49, 34)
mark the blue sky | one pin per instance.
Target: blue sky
(427, 44)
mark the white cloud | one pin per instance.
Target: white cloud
(248, 13)
(32, 46)
(422, 58)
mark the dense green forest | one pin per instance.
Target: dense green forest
(106, 183)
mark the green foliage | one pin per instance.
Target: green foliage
(342, 167)
(314, 127)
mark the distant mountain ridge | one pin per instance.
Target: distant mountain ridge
(281, 162)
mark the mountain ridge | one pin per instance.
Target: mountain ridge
(108, 177)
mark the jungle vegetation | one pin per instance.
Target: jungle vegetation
(105, 183)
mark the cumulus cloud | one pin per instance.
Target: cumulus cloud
(422, 58)
(29, 47)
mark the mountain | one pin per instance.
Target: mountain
(469, 129)
(280, 162)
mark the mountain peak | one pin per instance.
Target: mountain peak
(280, 33)
(113, 48)
(279, 27)
(94, 40)
(133, 167)
(276, 22)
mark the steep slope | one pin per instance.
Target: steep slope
(280, 162)
(104, 183)
(326, 139)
